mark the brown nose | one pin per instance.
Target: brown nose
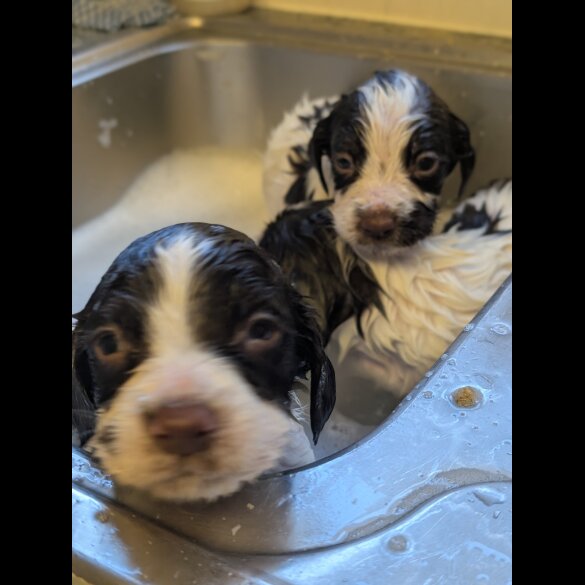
(181, 428)
(376, 223)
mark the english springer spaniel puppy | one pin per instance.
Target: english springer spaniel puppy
(381, 153)
(407, 311)
(183, 362)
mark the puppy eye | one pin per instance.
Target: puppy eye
(107, 343)
(426, 164)
(263, 329)
(343, 164)
(261, 333)
(109, 346)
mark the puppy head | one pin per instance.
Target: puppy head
(187, 351)
(388, 148)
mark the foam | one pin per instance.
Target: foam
(214, 185)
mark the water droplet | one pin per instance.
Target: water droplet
(408, 398)
(500, 329)
(497, 514)
(444, 356)
(469, 327)
(495, 423)
(429, 374)
(427, 394)
(452, 362)
(398, 543)
(235, 529)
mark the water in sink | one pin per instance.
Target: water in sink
(210, 185)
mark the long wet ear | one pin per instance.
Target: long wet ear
(82, 390)
(323, 393)
(312, 353)
(320, 145)
(464, 152)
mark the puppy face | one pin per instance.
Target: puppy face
(187, 350)
(383, 153)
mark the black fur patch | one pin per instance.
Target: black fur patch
(471, 218)
(303, 241)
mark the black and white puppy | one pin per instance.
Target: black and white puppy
(408, 311)
(183, 362)
(382, 152)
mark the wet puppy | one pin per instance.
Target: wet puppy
(381, 152)
(183, 362)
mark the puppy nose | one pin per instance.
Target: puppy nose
(377, 223)
(181, 428)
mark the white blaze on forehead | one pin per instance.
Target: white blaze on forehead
(391, 112)
(169, 324)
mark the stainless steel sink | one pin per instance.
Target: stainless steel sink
(426, 497)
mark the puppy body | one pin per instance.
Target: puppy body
(381, 153)
(417, 303)
(187, 351)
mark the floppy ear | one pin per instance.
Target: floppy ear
(310, 346)
(464, 152)
(82, 390)
(319, 145)
(322, 393)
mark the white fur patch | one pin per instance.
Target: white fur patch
(168, 328)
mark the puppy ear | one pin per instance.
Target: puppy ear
(82, 390)
(319, 145)
(323, 393)
(312, 353)
(464, 152)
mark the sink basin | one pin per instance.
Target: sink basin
(421, 493)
